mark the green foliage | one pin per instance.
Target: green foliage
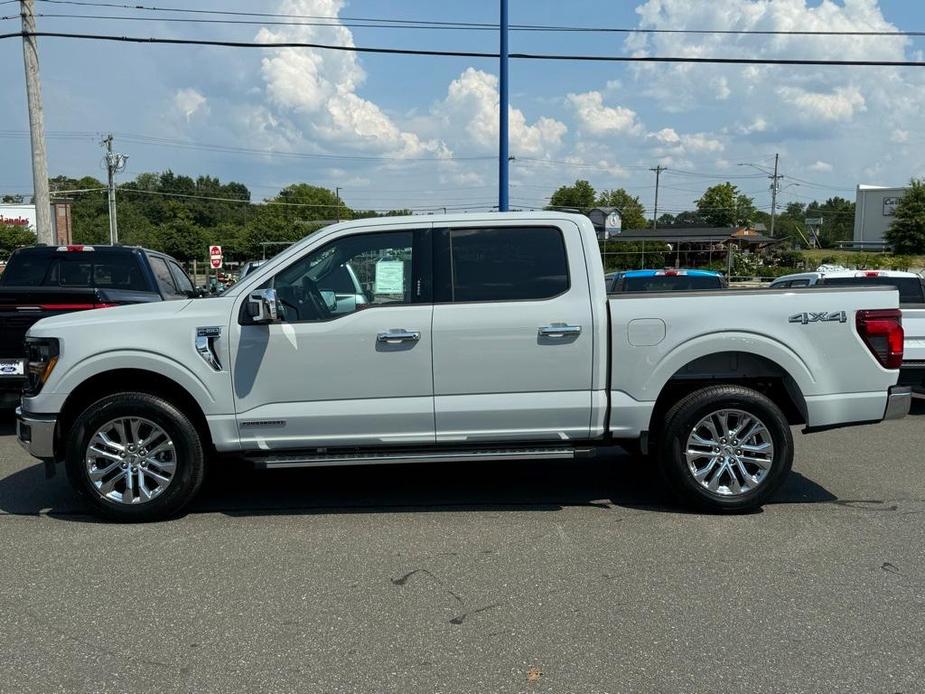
(182, 216)
(666, 219)
(723, 205)
(632, 212)
(13, 236)
(907, 232)
(580, 196)
(618, 255)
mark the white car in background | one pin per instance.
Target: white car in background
(911, 287)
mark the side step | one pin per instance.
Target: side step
(319, 459)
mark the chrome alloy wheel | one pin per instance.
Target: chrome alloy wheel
(730, 452)
(131, 460)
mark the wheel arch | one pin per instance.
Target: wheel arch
(129, 380)
(746, 368)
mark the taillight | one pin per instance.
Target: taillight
(882, 332)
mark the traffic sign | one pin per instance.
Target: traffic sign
(216, 262)
(215, 251)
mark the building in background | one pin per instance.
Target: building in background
(873, 214)
(24, 216)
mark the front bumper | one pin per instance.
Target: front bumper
(36, 433)
(898, 402)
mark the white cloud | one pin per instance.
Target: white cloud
(821, 167)
(594, 118)
(189, 102)
(471, 107)
(841, 104)
(668, 139)
(317, 89)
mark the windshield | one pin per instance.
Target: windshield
(671, 283)
(910, 288)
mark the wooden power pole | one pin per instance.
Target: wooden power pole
(43, 231)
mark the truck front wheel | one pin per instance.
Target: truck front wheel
(135, 457)
(725, 448)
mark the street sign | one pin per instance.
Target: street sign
(215, 251)
(216, 262)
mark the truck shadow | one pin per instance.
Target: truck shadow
(542, 486)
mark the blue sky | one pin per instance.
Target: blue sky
(423, 117)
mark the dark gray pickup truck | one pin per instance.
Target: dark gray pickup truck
(43, 281)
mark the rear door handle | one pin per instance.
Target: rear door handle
(396, 336)
(559, 330)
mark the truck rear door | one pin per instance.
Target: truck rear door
(512, 333)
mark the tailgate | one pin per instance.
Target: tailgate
(21, 307)
(914, 328)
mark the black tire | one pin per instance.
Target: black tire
(190, 456)
(679, 423)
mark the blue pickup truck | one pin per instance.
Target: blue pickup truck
(668, 280)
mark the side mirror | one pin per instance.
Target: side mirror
(261, 306)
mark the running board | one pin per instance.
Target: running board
(314, 459)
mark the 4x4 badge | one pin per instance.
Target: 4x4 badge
(822, 317)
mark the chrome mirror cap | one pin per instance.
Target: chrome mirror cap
(261, 306)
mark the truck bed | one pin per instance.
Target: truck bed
(703, 335)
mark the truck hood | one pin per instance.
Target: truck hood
(107, 317)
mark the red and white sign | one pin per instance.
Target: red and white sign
(215, 257)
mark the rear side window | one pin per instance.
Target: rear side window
(503, 264)
(162, 274)
(75, 269)
(910, 288)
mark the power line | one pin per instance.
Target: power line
(466, 54)
(230, 149)
(439, 24)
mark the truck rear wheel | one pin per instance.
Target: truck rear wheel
(135, 457)
(725, 448)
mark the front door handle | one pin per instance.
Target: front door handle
(396, 336)
(559, 330)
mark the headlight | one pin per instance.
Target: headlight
(41, 357)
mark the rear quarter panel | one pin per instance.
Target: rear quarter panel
(837, 377)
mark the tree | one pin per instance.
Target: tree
(632, 212)
(907, 232)
(723, 205)
(666, 219)
(688, 218)
(580, 196)
(13, 236)
(12, 199)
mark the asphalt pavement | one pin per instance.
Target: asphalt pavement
(497, 577)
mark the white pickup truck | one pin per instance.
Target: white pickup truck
(473, 337)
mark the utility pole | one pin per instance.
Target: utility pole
(658, 172)
(114, 164)
(503, 203)
(337, 195)
(775, 186)
(30, 54)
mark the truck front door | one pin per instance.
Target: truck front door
(341, 367)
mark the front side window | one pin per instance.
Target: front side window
(347, 275)
(504, 264)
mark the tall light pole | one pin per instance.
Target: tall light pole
(503, 202)
(30, 54)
